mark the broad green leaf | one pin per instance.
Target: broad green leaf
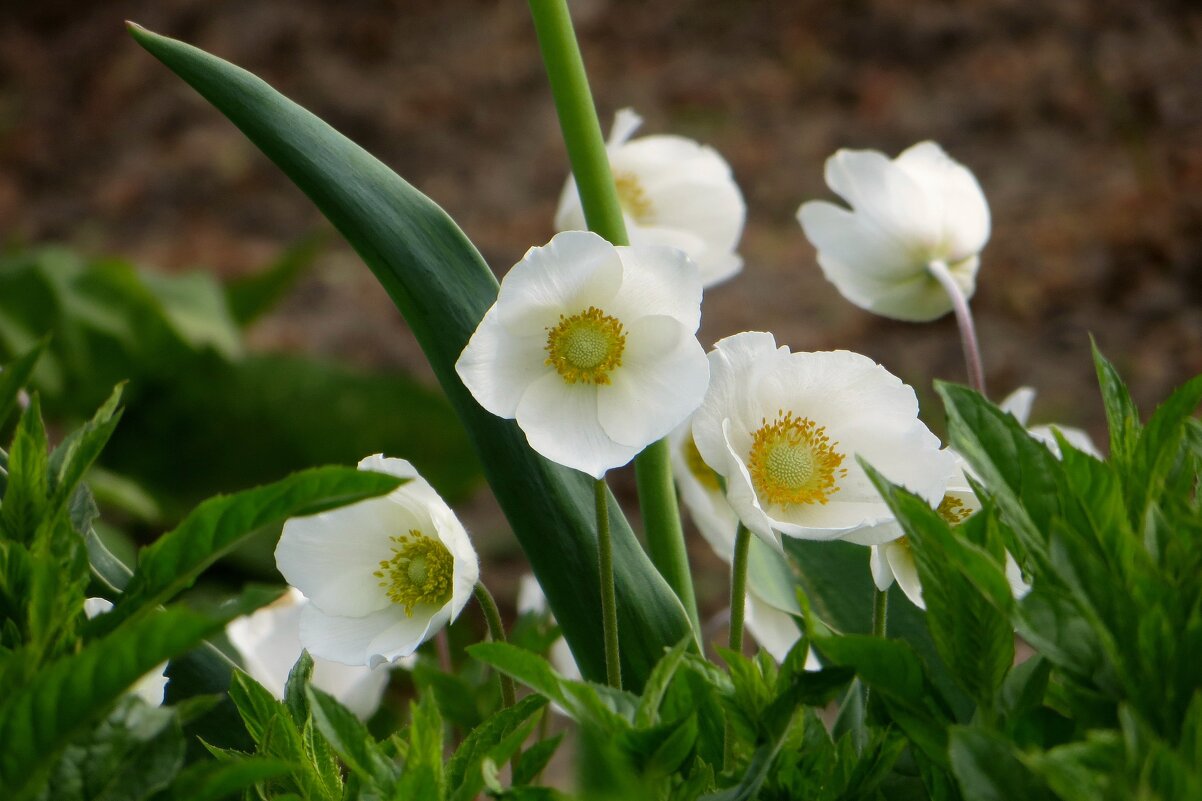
(350, 739)
(13, 378)
(37, 720)
(251, 297)
(136, 751)
(593, 704)
(443, 288)
(214, 781)
(173, 562)
(987, 768)
(195, 306)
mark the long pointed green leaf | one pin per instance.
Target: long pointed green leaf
(14, 376)
(173, 562)
(443, 288)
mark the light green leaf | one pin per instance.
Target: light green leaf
(443, 288)
(464, 779)
(1121, 414)
(174, 561)
(350, 739)
(422, 776)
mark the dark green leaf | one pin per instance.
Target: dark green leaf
(443, 288)
(219, 781)
(463, 775)
(988, 769)
(25, 497)
(13, 378)
(533, 761)
(253, 296)
(1121, 414)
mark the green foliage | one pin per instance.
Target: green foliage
(443, 287)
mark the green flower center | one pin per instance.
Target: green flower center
(792, 461)
(633, 198)
(586, 347)
(420, 571)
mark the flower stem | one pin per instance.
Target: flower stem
(661, 522)
(880, 612)
(738, 587)
(603, 213)
(968, 331)
(496, 630)
(609, 603)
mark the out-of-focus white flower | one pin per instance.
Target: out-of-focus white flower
(771, 622)
(1018, 403)
(895, 560)
(532, 600)
(269, 644)
(383, 575)
(906, 213)
(673, 191)
(592, 348)
(149, 688)
(784, 431)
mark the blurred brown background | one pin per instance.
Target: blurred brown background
(1082, 120)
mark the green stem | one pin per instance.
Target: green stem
(496, 630)
(738, 587)
(880, 612)
(609, 602)
(661, 522)
(603, 213)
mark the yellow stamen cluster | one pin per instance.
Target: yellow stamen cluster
(701, 471)
(792, 461)
(633, 198)
(420, 571)
(953, 510)
(585, 347)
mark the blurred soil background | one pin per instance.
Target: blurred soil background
(1082, 120)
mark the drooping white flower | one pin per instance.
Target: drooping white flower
(771, 621)
(532, 600)
(269, 643)
(906, 213)
(784, 430)
(382, 575)
(149, 688)
(673, 191)
(895, 560)
(592, 348)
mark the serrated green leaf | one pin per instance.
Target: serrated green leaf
(173, 562)
(26, 496)
(463, 770)
(295, 697)
(422, 776)
(657, 684)
(443, 288)
(1121, 414)
(13, 378)
(38, 719)
(77, 452)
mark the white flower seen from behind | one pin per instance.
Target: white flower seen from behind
(784, 431)
(269, 643)
(908, 216)
(592, 349)
(382, 575)
(673, 191)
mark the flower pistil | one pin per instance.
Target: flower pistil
(792, 461)
(586, 347)
(419, 572)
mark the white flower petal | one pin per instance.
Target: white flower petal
(956, 195)
(1018, 404)
(359, 689)
(1014, 575)
(741, 494)
(857, 246)
(349, 640)
(560, 422)
(497, 367)
(882, 574)
(626, 122)
(1075, 437)
(662, 379)
(875, 535)
(774, 630)
(905, 570)
(707, 506)
(405, 634)
(714, 264)
(573, 271)
(151, 687)
(886, 196)
(660, 281)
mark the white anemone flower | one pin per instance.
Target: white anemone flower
(592, 348)
(785, 430)
(673, 191)
(772, 622)
(269, 643)
(149, 688)
(382, 575)
(919, 212)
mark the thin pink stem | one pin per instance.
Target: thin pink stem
(968, 332)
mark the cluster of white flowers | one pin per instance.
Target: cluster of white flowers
(592, 349)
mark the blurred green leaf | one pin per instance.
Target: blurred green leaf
(251, 297)
(443, 288)
(13, 378)
(463, 776)
(988, 769)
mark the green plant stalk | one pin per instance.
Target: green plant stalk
(609, 600)
(738, 587)
(496, 630)
(880, 612)
(603, 213)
